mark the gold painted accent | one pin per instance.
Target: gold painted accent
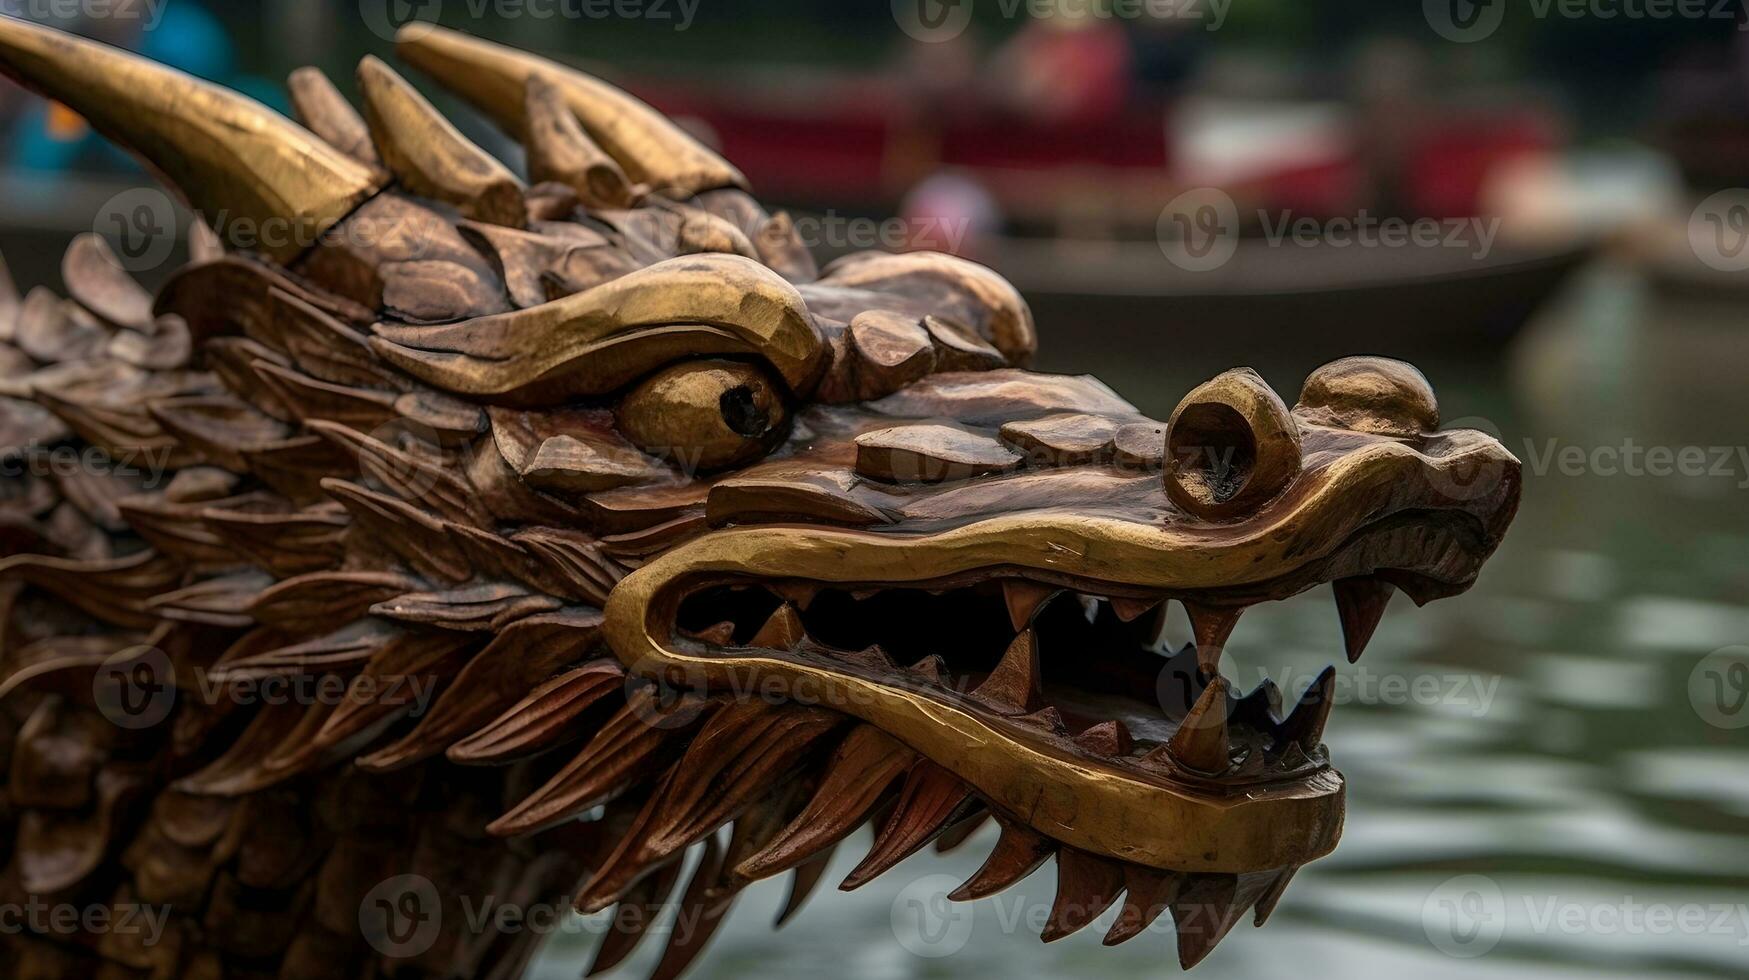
(706, 415)
(429, 156)
(261, 180)
(597, 341)
(1095, 805)
(493, 77)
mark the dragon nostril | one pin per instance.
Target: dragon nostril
(1230, 446)
(742, 414)
(1213, 451)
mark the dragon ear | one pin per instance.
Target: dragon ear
(647, 145)
(254, 175)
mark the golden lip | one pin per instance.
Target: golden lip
(1087, 803)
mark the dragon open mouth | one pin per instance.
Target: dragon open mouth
(686, 540)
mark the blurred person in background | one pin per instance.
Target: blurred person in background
(1074, 64)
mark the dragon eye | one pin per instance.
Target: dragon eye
(709, 415)
(1230, 446)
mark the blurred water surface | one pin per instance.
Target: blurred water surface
(1528, 772)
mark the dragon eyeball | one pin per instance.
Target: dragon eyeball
(1231, 445)
(708, 415)
(1370, 394)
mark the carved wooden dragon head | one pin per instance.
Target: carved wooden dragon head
(676, 522)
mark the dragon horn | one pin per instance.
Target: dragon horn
(648, 145)
(253, 174)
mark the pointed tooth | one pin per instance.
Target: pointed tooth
(799, 594)
(804, 880)
(1201, 741)
(863, 595)
(931, 668)
(734, 759)
(1181, 681)
(1014, 684)
(1129, 610)
(720, 635)
(931, 800)
(856, 779)
(783, 631)
(873, 658)
(1151, 629)
(1305, 727)
(1024, 599)
(240, 164)
(626, 751)
(1292, 757)
(429, 156)
(1018, 853)
(1360, 603)
(1272, 895)
(1208, 906)
(647, 145)
(633, 916)
(1108, 739)
(1086, 887)
(954, 837)
(1150, 891)
(700, 913)
(1047, 718)
(1212, 626)
(559, 150)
